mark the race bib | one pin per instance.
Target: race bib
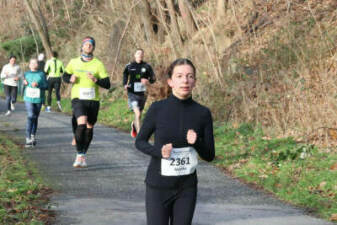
(183, 161)
(139, 87)
(87, 93)
(33, 92)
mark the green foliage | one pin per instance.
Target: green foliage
(24, 46)
(296, 172)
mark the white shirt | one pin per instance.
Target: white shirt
(9, 72)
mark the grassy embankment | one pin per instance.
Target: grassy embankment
(23, 194)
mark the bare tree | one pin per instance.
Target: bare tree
(163, 22)
(185, 7)
(39, 28)
(146, 15)
(174, 23)
(220, 9)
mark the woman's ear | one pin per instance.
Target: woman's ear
(169, 82)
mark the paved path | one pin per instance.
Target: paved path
(111, 190)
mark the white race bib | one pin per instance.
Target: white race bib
(33, 92)
(183, 161)
(139, 87)
(87, 93)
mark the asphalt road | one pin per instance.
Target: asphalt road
(111, 190)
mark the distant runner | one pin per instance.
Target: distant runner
(54, 69)
(35, 83)
(137, 75)
(183, 130)
(86, 74)
(10, 75)
(41, 64)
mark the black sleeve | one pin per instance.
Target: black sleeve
(125, 76)
(152, 76)
(205, 145)
(104, 83)
(147, 129)
(66, 77)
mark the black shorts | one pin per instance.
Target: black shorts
(136, 101)
(87, 108)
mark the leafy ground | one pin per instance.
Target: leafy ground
(23, 194)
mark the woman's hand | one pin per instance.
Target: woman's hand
(25, 82)
(166, 150)
(34, 84)
(191, 137)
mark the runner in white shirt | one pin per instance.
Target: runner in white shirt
(10, 75)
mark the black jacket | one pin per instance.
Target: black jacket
(133, 72)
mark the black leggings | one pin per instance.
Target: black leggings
(54, 82)
(170, 207)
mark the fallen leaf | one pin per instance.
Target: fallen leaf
(333, 217)
(333, 167)
(322, 185)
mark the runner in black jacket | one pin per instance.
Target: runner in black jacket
(136, 76)
(182, 130)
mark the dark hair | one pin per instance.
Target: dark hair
(55, 54)
(179, 62)
(12, 56)
(139, 49)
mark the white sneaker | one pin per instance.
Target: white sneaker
(59, 105)
(83, 162)
(48, 109)
(78, 161)
(8, 113)
(32, 137)
(29, 143)
(12, 106)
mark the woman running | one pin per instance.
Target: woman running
(36, 84)
(10, 74)
(183, 129)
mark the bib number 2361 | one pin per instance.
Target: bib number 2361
(183, 161)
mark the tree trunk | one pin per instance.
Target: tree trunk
(39, 29)
(146, 15)
(163, 22)
(184, 8)
(220, 9)
(174, 23)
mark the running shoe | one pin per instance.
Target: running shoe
(32, 137)
(12, 106)
(48, 109)
(29, 143)
(83, 162)
(133, 132)
(77, 163)
(8, 113)
(59, 106)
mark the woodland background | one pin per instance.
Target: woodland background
(266, 62)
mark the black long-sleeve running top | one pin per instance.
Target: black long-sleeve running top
(169, 120)
(134, 71)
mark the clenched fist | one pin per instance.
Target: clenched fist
(191, 137)
(166, 150)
